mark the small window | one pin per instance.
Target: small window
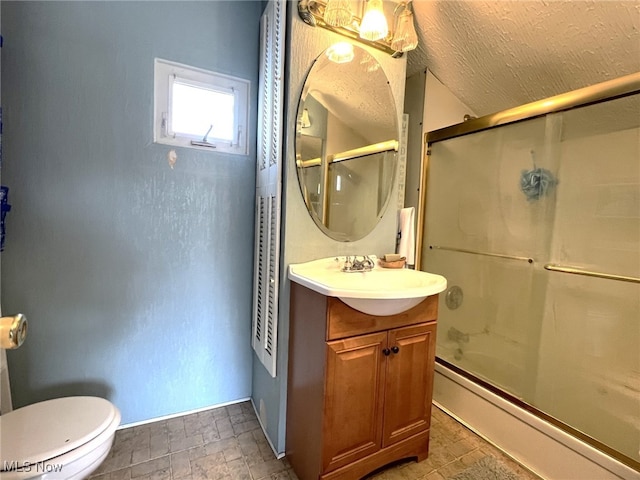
(200, 109)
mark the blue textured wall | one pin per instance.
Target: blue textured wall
(136, 278)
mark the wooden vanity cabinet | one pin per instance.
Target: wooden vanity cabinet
(359, 388)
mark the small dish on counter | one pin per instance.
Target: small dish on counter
(393, 264)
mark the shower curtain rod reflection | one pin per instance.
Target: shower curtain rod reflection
(351, 154)
(588, 273)
(486, 254)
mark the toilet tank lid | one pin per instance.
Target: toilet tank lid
(41, 431)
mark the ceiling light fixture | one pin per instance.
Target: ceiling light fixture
(374, 23)
(337, 13)
(405, 37)
(372, 29)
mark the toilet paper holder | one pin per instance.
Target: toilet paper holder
(13, 331)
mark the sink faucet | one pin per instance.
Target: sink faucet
(355, 265)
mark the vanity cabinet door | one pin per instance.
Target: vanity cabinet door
(409, 382)
(355, 378)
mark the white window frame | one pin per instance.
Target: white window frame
(166, 73)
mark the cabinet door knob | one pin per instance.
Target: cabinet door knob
(395, 349)
(386, 351)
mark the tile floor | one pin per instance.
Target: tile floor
(227, 443)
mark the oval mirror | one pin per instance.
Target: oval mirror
(346, 142)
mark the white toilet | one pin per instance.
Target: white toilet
(65, 438)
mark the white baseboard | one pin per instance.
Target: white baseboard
(182, 414)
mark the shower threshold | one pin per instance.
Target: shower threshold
(522, 432)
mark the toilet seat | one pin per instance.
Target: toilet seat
(45, 430)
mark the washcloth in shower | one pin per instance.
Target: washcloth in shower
(536, 183)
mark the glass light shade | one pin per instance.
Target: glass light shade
(341, 52)
(337, 13)
(374, 23)
(405, 37)
(305, 122)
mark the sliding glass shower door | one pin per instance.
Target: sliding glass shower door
(536, 226)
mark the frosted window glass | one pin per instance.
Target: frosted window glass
(194, 109)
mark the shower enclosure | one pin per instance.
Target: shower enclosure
(533, 216)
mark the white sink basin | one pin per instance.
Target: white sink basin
(382, 291)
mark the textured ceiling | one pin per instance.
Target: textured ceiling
(495, 55)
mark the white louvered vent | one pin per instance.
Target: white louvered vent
(268, 183)
(272, 322)
(265, 314)
(261, 258)
(266, 32)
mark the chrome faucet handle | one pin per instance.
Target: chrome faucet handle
(357, 264)
(352, 264)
